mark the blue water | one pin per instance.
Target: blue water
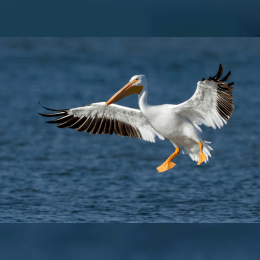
(130, 241)
(49, 174)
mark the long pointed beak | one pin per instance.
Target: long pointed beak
(122, 93)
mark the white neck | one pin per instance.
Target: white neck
(142, 100)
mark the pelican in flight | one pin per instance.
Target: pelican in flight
(210, 105)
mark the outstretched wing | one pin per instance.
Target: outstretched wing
(97, 118)
(211, 103)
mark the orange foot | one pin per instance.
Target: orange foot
(167, 165)
(202, 155)
(202, 158)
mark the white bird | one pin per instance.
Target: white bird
(210, 105)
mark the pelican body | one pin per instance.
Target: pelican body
(210, 105)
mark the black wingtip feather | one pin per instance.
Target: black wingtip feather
(60, 119)
(226, 77)
(61, 110)
(52, 115)
(68, 123)
(219, 73)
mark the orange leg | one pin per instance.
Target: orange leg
(168, 164)
(202, 155)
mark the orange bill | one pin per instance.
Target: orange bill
(127, 90)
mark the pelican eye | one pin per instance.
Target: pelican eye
(135, 80)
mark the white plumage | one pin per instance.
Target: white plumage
(124, 116)
(210, 105)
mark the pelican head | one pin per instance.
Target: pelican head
(134, 86)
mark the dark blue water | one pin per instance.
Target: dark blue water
(130, 241)
(59, 175)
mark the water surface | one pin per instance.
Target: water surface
(59, 175)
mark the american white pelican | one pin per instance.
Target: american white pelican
(210, 105)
